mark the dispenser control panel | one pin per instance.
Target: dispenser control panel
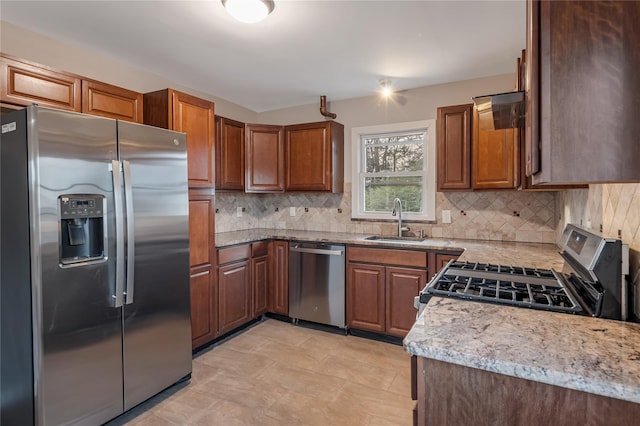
(76, 207)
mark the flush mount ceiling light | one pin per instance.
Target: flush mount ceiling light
(249, 11)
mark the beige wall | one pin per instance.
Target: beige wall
(615, 207)
(28, 45)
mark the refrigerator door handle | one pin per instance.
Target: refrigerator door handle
(117, 198)
(128, 201)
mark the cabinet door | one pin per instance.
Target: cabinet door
(279, 285)
(203, 307)
(314, 156)
(195, 117)
(203, 295)
(365, 297)
(23, 84)
(496, 157)
(454, 147)
(264, 161)
(229, 154)
(260, 275)
(110, 101)
(403, 284)
(437, 262)
(234, 295)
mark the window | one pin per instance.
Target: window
(394, 161)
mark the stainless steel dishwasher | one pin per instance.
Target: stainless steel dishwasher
(317, 283)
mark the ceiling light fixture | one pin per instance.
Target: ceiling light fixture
(385, 87)
(249, 11)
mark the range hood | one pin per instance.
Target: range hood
(500, 111)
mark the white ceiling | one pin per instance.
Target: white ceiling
(304, 49)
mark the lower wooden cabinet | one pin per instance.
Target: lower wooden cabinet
(438, 260)
(204, 301)
(260, 277)
(234, 287)
(279, 283)
(380, 296)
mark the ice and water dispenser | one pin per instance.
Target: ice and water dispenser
(82, 233)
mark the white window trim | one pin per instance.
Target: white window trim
(357, 208)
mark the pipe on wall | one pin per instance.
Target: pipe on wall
(323, 108)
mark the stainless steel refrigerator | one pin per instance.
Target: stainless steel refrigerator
(94, 266)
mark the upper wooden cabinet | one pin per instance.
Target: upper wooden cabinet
(229, 154)
(315, 157)
(111, 101)
(264, 159)
(24, 83)
(181, 112)
(582, 91)
(495, 157)
(454, 147)
(471, 157)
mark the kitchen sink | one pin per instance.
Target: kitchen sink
(392, 238)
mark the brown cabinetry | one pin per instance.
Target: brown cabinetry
(279, 283)
(260, 277)
(234, 287)
(471, 157)
(581, 91)
(381, 285)
(229, 154)
(314, 157)
(459, 395)
(24, 83)
(264, 161)
(111, 101)
(454, 147)
(181, 112)
(204, 315)
(438, 260)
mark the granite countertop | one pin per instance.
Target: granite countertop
(577, 352)
(509, 253)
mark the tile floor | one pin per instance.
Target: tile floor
(279, 374)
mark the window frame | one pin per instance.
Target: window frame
(429, 177)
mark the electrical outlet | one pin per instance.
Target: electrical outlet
(446, 216)
(292, 211)
(239, 211)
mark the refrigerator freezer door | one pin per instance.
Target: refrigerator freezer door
(77, 333)
(157, 326)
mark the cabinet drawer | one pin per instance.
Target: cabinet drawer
(234, 254)
(261, 248)
(415, 258)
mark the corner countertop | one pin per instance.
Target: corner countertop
(510, 253)
(577, 352)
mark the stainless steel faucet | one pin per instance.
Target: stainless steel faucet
(397, 207)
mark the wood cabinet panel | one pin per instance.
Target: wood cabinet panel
(402, 285)
(437, 262)
(234, 295)
(203, 307)
(234, 253)
(495, 157)
(454, 147)
(588, 104)
(260, 277)
(110, 101)
(314, 157)
(457, 395)
(387, 256)
(201, 231)
(279, 285)
(264, 160)
(24, 83)
(230, 154)
(181, 112)
(365, 297)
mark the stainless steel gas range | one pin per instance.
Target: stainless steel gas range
(592, 282)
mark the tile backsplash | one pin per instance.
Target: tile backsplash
(502, 216)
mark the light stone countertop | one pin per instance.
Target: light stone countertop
(577, 352)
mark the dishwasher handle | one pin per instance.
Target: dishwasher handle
(317, 251)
